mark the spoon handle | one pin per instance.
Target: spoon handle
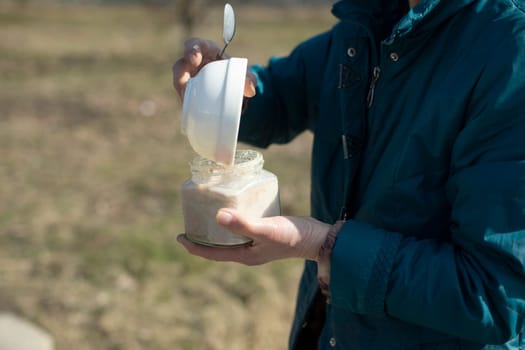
(222, 51)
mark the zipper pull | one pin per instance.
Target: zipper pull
(375, 77)
(351, 146)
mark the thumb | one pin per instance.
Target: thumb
(277, 229)
(238, 223)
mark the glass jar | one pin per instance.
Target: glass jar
(245, 186)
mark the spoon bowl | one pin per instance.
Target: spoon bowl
(228, 28)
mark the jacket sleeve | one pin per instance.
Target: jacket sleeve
(471, 284)
(287, 95)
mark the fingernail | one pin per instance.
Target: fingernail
(223, 217)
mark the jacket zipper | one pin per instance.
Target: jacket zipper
(371, 90)
(349, 148)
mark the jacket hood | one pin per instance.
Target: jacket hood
(394, 16)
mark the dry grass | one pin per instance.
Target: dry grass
(89, 180)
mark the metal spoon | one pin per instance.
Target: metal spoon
(228, 29)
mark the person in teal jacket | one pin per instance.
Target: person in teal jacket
(416, 238)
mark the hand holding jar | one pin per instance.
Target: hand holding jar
(274, 238)
(232, 213)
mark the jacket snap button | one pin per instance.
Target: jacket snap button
(332, 342)
(351, 52)
(394, 56)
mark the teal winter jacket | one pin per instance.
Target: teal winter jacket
(419, 143)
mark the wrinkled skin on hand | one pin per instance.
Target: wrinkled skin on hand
(274, 238)
(197, 53)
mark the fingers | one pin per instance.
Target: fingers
(233, 254)
(236, 223)
(181, 75)
(197, 53)
(193, 53)
(250, 84)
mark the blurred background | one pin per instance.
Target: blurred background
(91, 161)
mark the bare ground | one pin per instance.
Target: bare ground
(91, 160)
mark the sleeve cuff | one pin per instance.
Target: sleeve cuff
(361, 263)
(323, 261)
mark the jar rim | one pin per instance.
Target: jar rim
(246, 160)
